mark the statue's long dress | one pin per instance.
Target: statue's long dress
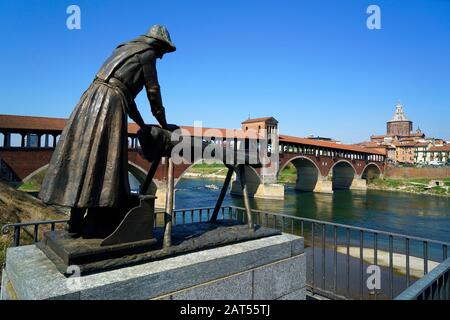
(89, 165)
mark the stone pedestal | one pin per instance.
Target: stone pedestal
(267, 268)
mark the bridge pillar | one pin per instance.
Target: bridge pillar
(270, 191)
(273, 191)
(161, 195)
(262, 188)
(323, 185)
(358, 183)
(161, 192)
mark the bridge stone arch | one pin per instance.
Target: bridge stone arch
(157, 188)
(255, 186)
(140, 174)
(254, 182)
(308, 173)
(342, 175)
(371, 171)
(183, 168)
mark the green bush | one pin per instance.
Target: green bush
(439, 190)
(288, 174)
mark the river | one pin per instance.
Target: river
(411, 214)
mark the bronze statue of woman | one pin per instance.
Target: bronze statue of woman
(88, 170)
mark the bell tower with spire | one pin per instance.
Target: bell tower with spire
(399, 125)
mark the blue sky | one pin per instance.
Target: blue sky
(313, 65)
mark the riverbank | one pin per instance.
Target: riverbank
(207, 170)
(219, 171)
(17, 206)
(198, 175)
(416, 186)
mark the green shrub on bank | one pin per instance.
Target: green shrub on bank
(447, 182)
(288, 174)
(439, 190)
(410, 185)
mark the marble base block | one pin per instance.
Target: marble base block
(268, 268)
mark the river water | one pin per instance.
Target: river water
(411, 214)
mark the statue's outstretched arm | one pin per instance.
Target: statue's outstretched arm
(148, 61)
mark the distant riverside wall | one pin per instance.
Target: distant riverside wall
(411, 173)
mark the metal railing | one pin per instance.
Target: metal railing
(181, 216)
(23, 226)
(338, 255)
(433, 286)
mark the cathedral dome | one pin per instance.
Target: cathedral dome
(399, 125)
(399, 114)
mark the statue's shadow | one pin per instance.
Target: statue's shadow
(202, 234)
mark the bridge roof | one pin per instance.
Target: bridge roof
(45, 124)
(13, 122)
(31, 123)
(205, 132)
(328, 144)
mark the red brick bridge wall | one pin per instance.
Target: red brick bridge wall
(23, 162)
(324, 164)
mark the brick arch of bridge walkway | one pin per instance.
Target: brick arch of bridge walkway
(25, 163)
(327, 174)
(370, 165)
(326, 164)
(140, 166)
(138, 172)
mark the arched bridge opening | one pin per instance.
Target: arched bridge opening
(307, 173)
(253, 182)
(371, 172)
(343, 174)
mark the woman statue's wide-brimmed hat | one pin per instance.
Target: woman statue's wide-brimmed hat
(161, 33)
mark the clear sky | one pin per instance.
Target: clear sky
(313, 65)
